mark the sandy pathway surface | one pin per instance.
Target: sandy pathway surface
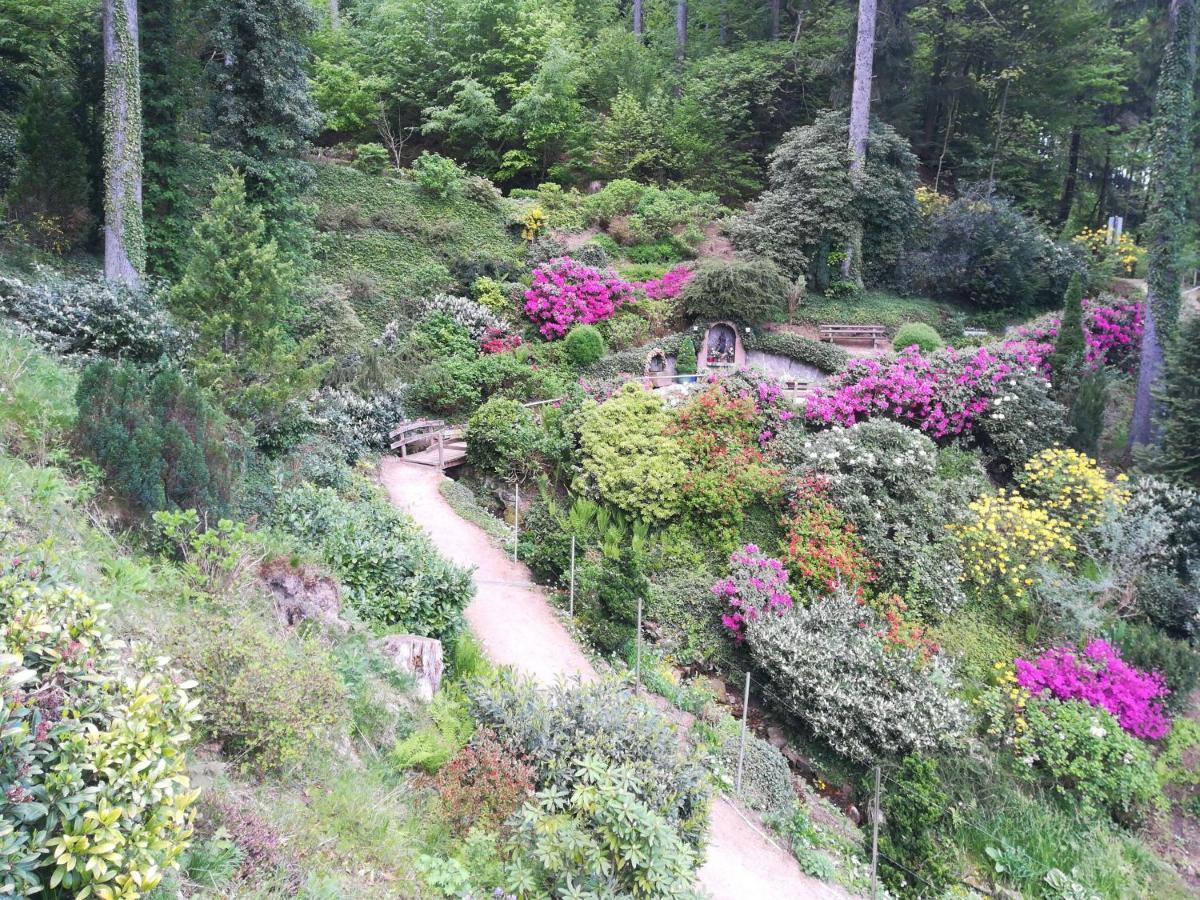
(517, 627)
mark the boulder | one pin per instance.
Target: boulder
(420, 657)
(303, 593)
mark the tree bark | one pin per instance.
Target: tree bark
(637, 17)
(1068, 195)
(124, 232)
(773, 19)
(334, 15)
(860, 113)
(681, 35)
(1171, 165)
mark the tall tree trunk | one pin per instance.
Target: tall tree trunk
(637, 18)
(124, 232)
(860, 117)
(1166, 219)
(334, 15)
(1068, 195)
(723, 24)
(773, 19)
(1102, 192)
(681, 23)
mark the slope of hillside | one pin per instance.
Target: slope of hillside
(385, 240)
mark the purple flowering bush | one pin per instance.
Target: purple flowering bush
(1100, 678)
(565, 293)
(944, 394)
(757, 584)
(668, 286)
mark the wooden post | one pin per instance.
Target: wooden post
(742, 742)
(572, 574)
(441, 449)
(637, 676)
(875, 838)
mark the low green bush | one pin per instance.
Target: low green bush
(584, 345)
(503, 439)
(923, 336)
(437, 174)
(827, 357)
(1088, 758)
(607, 599)
(915, 809)
(92, 747)
(556, 727)
(766, 778)
(161, 443)
(271, 700)
(749, 292)
(391, 574)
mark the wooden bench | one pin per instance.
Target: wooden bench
(873, 333)
(444, 446)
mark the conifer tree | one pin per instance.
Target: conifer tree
(1069, 346)
(1181, 405)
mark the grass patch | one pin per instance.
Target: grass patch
(398, 239)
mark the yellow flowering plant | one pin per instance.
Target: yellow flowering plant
(535, 223)
(1071, 486)
(1001, 706)
(1125, 256)
(1005, 536)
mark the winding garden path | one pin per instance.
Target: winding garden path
(513, 620)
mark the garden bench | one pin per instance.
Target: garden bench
(873, 333)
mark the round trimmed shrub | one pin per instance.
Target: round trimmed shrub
(584, 345)
(503, 438)
(745, 291)
(923, 336)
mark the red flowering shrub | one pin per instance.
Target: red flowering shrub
(823, 549)
(496, 341)
(898, 632)
(482, 785)
(725, 469)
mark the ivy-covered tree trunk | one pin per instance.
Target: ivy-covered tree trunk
(681, 23)
(124, 233)
(773, 19)
(637, 17)
(1166, 219)
(335, 19)
(860, 119)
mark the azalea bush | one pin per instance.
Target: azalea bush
(757, 584)
(945, 394)
(1112, 332)
(565, 293)
(1070, 485)
(1004, 540)
(864, 699)
(668, 286)
(94, 792)
(823, 551)
(1100, 677)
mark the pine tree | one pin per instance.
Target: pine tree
(1087, 411)
(236, 286)
(1181, 404)
(1069, 346)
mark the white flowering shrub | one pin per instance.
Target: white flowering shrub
(1022, 421)
(829, 665)
(470, 314)
(900, 492)
(90, 317)
(357, 424)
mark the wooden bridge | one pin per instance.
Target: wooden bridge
(437, 444)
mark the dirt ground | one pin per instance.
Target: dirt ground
(517, 627)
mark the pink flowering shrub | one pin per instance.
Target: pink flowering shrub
(566, 293)
(496, 341)
(1099, 677)
(1112, 332)
(773, 408)
(757, 584)
(668, 286)
(943, 394)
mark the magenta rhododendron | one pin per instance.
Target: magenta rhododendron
(667, 287)
(565, 293)
(943, 394)
(757, 584)
(1100, 678)
(1112, 332)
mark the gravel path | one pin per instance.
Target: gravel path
(514, 622)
